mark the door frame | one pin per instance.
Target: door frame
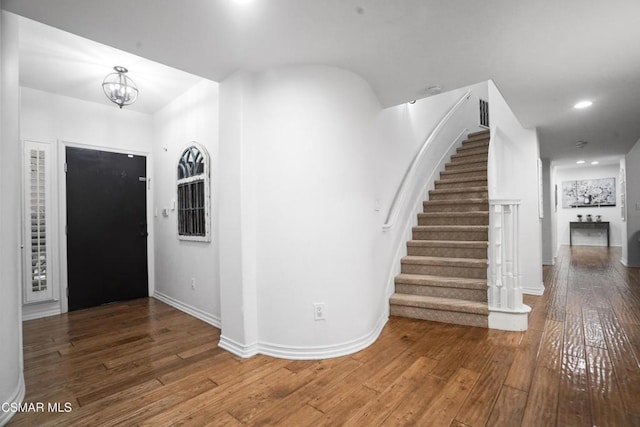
(62, 214)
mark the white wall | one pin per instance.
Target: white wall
(608, 213)
(191, 117)
(59, 120)
(11, 366)
(513, 174)
(296, 215)
(633, 205)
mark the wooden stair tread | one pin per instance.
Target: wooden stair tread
(459, 190)
(451, 282)
(457, 162)
(439, 303)
(466, 244)
(485, 132)
(483, 143)
(445, 261)
(466, 214)
(470, 169)
(459, 180)
(450, 227)
(457, 201)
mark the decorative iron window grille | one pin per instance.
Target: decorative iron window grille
(484, 113)
(193, 194)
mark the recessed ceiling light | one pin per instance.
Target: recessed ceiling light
(595, 162)
(583, 104)
(579, 162)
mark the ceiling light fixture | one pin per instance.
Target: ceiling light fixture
(579, 162)
(119, 88)
(595, 162)
(583, 104)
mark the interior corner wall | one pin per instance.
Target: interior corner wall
(11, 365)
(513, 174)
(608, 213)
(548, 206)
(236, 224)
(193, 116)
(633, 206)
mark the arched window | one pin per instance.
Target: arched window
(193, 194)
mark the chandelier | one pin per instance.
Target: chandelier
(119, 88)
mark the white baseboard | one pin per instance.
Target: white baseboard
(16, 397)
(241, 350)
(624, 262)
(193, 311)
(300, 352)
(533, 291)
(38, 311)
(324, 352)
(510, 320)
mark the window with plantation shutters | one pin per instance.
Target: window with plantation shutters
(193, 194)
(37, 199)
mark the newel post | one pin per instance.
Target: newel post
(506, 309)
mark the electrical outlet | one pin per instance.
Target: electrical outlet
(193, 283)
(318, 311)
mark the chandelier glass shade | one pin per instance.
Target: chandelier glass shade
(119, 88)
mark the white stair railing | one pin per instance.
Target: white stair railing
(506, 308)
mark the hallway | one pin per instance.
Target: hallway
(145, 363)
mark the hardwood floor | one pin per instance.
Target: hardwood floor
(145, 363)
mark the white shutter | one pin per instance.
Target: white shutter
(38, 284)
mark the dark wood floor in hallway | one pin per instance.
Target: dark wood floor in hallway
(145, 363)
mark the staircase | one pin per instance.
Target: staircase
(444, 275)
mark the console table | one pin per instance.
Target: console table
(593, 225)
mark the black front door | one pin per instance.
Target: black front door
(106, 227)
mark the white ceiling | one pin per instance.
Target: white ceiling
(60, 62)
(544, 55)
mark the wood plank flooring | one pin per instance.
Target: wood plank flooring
(145, 363)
